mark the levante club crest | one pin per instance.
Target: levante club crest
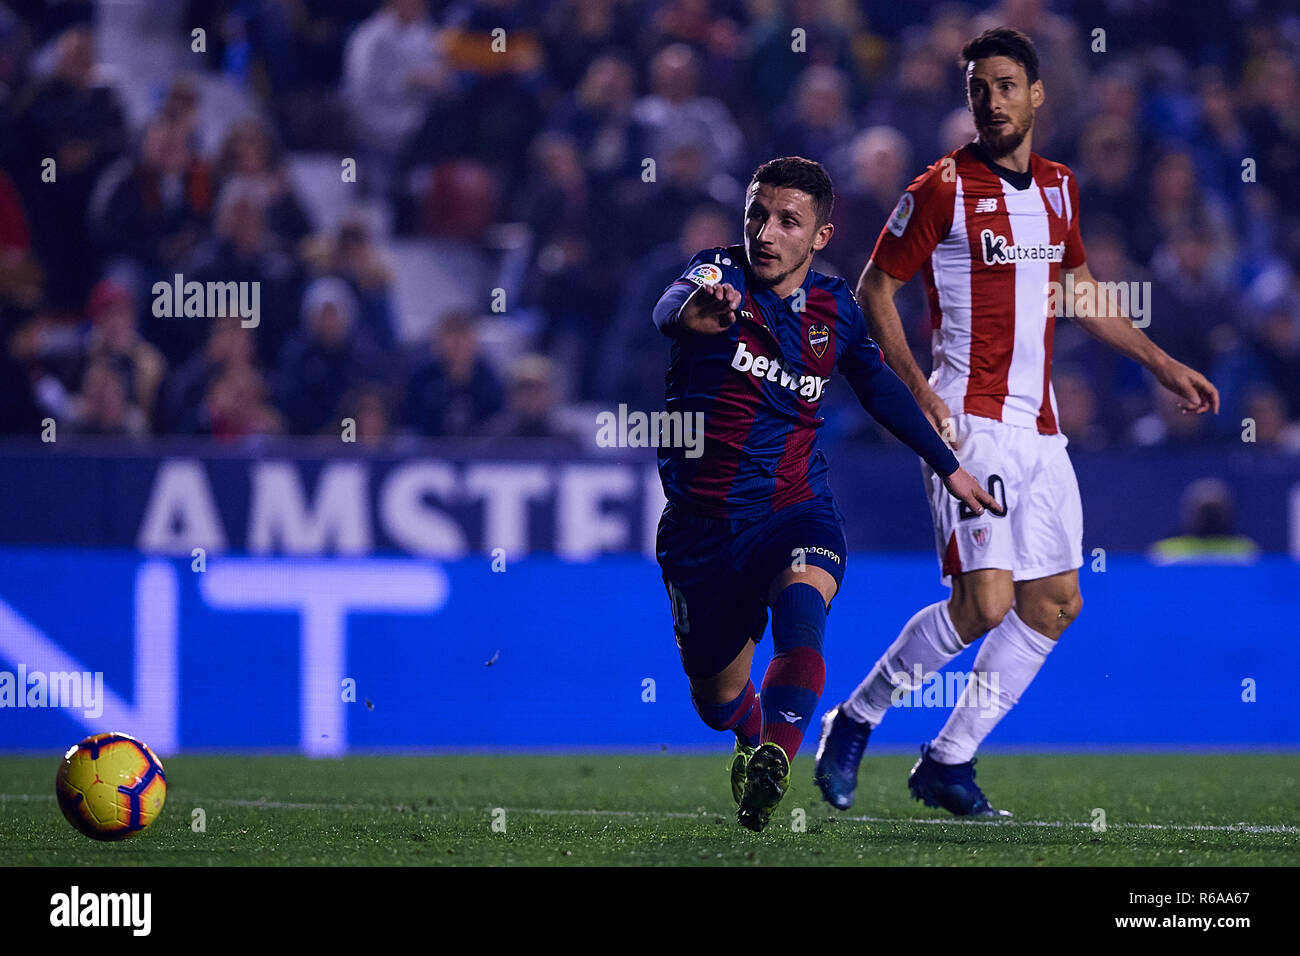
(818, 336)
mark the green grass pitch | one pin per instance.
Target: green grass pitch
(671, 809)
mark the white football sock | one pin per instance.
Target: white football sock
(928, 640)
(1006, 664)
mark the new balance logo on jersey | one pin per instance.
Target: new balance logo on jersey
(987, 205)
(771, 370)
(999, 251)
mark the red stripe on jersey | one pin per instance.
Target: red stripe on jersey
(1046, 417)
(992, 297)
(951, 558)
(1057, 227)
(727, 424)
(710, 485)
(932, 294)
(820, 308)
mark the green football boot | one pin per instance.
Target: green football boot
(767, 777)
(739, 760)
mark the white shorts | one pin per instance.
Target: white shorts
(1042, 532)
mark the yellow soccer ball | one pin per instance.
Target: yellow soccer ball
(110, 786)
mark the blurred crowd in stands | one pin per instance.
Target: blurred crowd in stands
(531, 160)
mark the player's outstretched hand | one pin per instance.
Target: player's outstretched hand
(961, 484)
(1195, 390)
(710, 309)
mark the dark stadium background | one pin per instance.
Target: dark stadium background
(196, 527)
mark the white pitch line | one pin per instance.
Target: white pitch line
(668, 814)
(671, 815)
(1232, 827)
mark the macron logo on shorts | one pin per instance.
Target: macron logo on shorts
(771, 370)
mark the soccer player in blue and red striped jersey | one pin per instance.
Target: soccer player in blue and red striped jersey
(750, 523)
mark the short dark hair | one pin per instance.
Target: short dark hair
(795, 172)
(1002, 41)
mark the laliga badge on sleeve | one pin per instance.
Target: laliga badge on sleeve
(706, 273)
(902, 215)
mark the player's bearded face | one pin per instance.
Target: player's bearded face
(780, 229)
(1001, 100)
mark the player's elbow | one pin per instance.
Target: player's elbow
(666, 312)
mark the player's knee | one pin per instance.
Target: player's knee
(1069, 609)
(979, 614)
(817, 578)
(990, 612)
(1064, 606)
(709, 713)
(716, 703)
(1051, 614)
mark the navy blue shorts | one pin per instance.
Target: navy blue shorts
(718, 572)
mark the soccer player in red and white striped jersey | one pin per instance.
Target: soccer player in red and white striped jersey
(994, 228)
